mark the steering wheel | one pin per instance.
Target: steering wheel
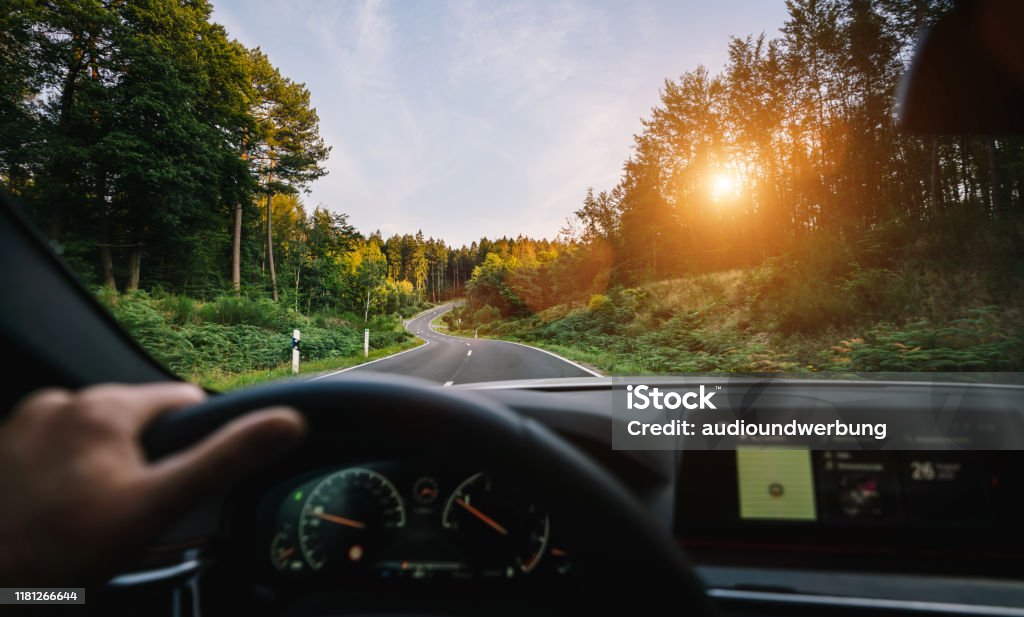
(627, 558)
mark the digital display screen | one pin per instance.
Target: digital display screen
(776, 485)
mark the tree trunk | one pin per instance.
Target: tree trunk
(968, 185)
(106, 259)
(134, 267)
(270, 233)
(995, 194)
(236, 252)
(935, 187)
(236, 237)
(270, 250)
(366, 308)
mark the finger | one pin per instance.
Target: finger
(242, 445)
(45, 399)
(138, 405)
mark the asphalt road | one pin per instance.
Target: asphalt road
(451, 360)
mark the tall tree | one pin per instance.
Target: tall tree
(287, 150)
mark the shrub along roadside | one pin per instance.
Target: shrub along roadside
(222, 382)
(211, 343)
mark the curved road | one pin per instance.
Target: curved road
(451, 360)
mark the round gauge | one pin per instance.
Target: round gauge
(425, 491)
(346, 515)
(284, 552)
(505, 532)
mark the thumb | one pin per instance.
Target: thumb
(241, 446)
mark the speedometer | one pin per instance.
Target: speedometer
(345, 517)
(504, 530)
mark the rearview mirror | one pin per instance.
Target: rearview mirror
(967, 75)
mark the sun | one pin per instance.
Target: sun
(724, 185)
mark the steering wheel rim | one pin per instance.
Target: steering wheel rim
(640, 556)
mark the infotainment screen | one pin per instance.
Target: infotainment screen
(775, 485)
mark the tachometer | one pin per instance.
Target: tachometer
(506, 532)
(284, 554)
(346, 515)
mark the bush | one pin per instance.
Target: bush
(979, 342)
(233, 335)
(485, 315)
(139, 317)
(180, 310)
(262, 313)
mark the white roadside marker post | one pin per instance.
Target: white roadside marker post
(295, 351)
(366, 343)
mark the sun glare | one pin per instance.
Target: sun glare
(724, 185)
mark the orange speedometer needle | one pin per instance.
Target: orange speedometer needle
(341, 520)
(493, 524)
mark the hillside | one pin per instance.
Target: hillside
(918, 304)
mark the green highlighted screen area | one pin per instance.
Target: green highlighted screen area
(775, 484)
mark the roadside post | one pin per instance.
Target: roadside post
(295, 351)
(366, 343)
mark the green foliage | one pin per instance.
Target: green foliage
(234, 335)
(979, 342)
(911, 313)
(486, 314)
(488, 286)
(259, 312)
(149, 326)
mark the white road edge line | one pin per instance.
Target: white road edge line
(406, 324)
(394, 355)
(551, 353)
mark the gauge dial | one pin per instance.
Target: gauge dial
(425, 490)
(284, 551)
(506, 532)
(345, 517)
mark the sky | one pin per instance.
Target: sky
(470, 119)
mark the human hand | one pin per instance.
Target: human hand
(79, 495)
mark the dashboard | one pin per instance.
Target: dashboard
(925, 511)
(762, 523)
(404, 519)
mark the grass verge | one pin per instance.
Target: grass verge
(439, 325)
(222, 382)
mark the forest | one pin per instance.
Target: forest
(770, 216)
(166, 163)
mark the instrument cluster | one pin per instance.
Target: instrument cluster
(394, 520)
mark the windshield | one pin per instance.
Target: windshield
(257, 191)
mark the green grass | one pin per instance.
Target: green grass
(439, 325)
(221, 381)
